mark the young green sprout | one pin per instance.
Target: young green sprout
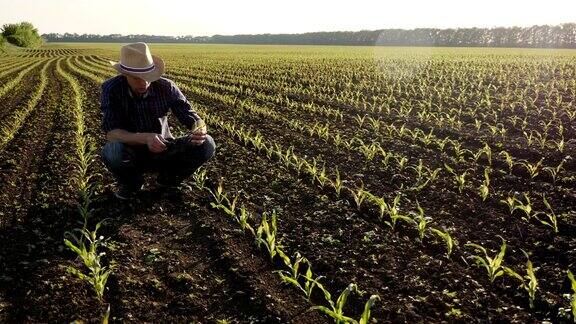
(380, 202)
(227, 205)
(533, 169)
(554, 171)
(493, 265)
(386, 156)
(448, 241)
(394, 214)
(419, 169)
(510, 202)
(359, 195)
(322, 178)
(461, 180)
(242, 218)
(402, 161)
(198, 124)
(369, 151)
(199, 178)
(337, 183)
(552, 219)
(528, 281)
(266, 234)
(525, 207)
(311, 282)
(421, 222)
(86, 247)
(219, 194)
(508, 159)
(367, 307)
(485, 187)
(486, 150)
(336, 310)
(291, 276)
(433, 174)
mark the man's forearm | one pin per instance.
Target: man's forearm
(127, 137)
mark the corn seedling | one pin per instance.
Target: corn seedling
(485, 187)
(337, 183)
(421, 222)
(337, 139)
(554, 171)
(374, 122)
(291, 276)
(360, 119)
(448, 241)
(386, 159)
(433, 175)
(86, 247)
(285, 157)
(560, 144)
(312, 168)
(402, 161)
(552, 219)
(510, 202)
(242, 218)
(394, 214)
(525, 207)
(336, 310)
(369, 151)
(218, 194)
(266, 234)
(419, 169)
(199, 178)
(461, 180)
(532, 169)
(322, 178)
(228, 206)
(528, 281)
(311, 282)
(380, 202)
(359, 195)
(493, 265)
(459, 151)
(508, 159)
(269, 151)
(486, 150)
(367, 308)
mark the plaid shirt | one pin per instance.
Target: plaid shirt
(147, 113)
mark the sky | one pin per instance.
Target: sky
(206, 18)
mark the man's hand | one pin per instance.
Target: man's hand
(198, 135)
(155, 143)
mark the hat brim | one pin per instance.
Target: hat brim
(150, 76)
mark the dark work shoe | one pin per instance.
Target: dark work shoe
(126, 193)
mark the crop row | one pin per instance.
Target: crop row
(267, 150)
(85, 241)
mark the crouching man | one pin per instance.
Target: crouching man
(135, 106)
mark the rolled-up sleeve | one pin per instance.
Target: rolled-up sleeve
(182, 108)
(110, 109)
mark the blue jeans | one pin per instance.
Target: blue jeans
(128, 163)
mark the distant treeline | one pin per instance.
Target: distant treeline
(559, 36)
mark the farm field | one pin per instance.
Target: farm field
(423, 184)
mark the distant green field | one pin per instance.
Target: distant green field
(441, 180)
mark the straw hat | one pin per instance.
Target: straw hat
(136, 60)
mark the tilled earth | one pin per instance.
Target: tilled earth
(177, 259)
